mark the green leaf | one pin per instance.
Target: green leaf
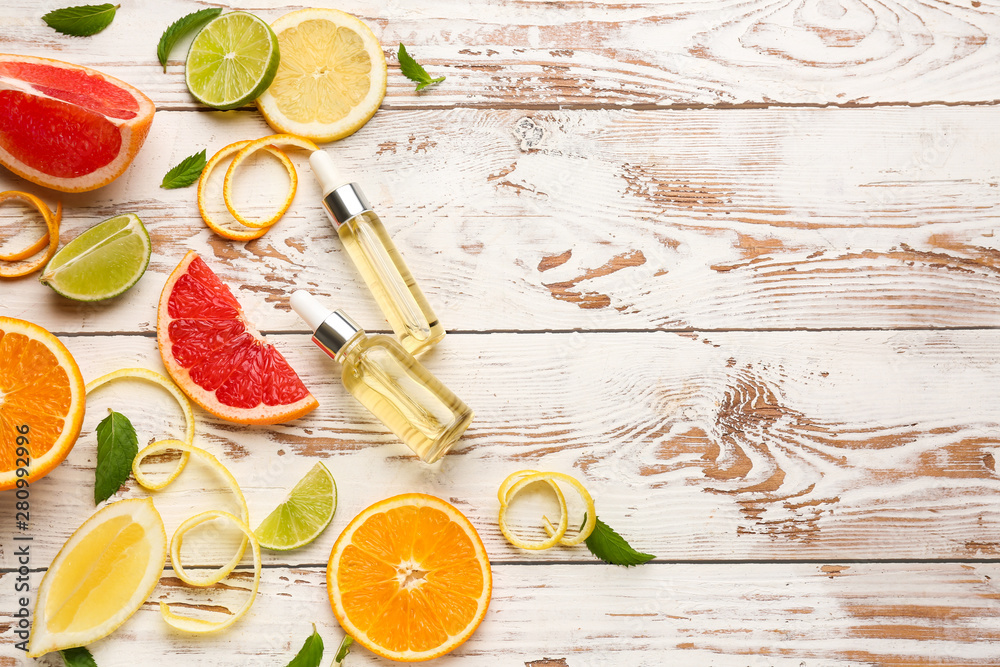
(343, 650)
(612, 548)
(311, 652)
(186, 173)
(180, 28)
(117, 445)
(78, 657)
(413, 71)
(82, 20)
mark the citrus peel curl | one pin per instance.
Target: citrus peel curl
(517, 481)
(253, 231)
(267, 143)
(165, 383)
(51, 237)
(197, 625)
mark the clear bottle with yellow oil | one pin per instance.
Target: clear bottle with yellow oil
(381, 266)
(387, 380)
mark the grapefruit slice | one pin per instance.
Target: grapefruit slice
(68, 127)
(218, 358)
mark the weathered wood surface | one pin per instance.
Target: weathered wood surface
(845, 445)
(599, 220)
(783, 615)
(765, 338)
(609, 54)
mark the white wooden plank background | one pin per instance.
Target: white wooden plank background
(763, 331)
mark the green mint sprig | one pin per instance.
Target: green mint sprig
(612, 548)
(311, 652)
(185, 173)
(78, 657)
(181, 27)
(117, 445)
(343, 650)
(81, 21)
(413, 71)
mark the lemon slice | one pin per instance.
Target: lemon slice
(517, 481)
(100, 577)
(331, 78)
(304, 515)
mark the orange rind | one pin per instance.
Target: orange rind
(51, 238)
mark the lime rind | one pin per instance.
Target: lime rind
(231, 61)
(305, 514)
(102, 262)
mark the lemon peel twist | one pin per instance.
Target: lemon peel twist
(517, 481)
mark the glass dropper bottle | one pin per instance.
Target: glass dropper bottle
(387, 380)
(373, 252)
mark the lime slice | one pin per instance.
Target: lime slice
(303, 516)
(231, 61)
(103, 262)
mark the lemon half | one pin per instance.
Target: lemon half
(331, 78)
(100, 577)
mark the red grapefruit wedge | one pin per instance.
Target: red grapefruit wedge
(219, 359)
(68, 127)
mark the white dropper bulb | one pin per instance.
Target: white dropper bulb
(306, 306)
(325, 169)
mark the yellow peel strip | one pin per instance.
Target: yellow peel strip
(220, 228)
(510, 487)
(51, 237)
(589, 524)
(245, 152)
(165, 383)
(197, 625)
(177, 540)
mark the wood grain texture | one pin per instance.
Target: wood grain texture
(840, 445)
(783, 615)
(747, 219)
(609, 54)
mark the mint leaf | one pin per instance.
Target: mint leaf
(81, 21)
(343, 650)
(311, 652)
(612, 548)
(78, 657)
(117, 445)
(186, 173)
(182, 26)
(413, 71)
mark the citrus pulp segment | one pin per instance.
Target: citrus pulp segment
(331, 78)
(103, 262)
(231, 61)
(68, 127)
(303, 515)
(100, 577)
(217, 358)
(409, 578)
(42, 401)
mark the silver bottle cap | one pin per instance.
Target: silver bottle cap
(334, 332)
(344, 203)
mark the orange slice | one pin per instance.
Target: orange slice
(51, 238)
(218, 358)
(42, 401)
(409, 578)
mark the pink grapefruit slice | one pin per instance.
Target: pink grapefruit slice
(68, 127)
(218, 358)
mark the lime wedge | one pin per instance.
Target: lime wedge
(303, 516)
(103, 262)
(231, 61)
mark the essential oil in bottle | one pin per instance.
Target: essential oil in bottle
(381, 266)
(387, 380)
